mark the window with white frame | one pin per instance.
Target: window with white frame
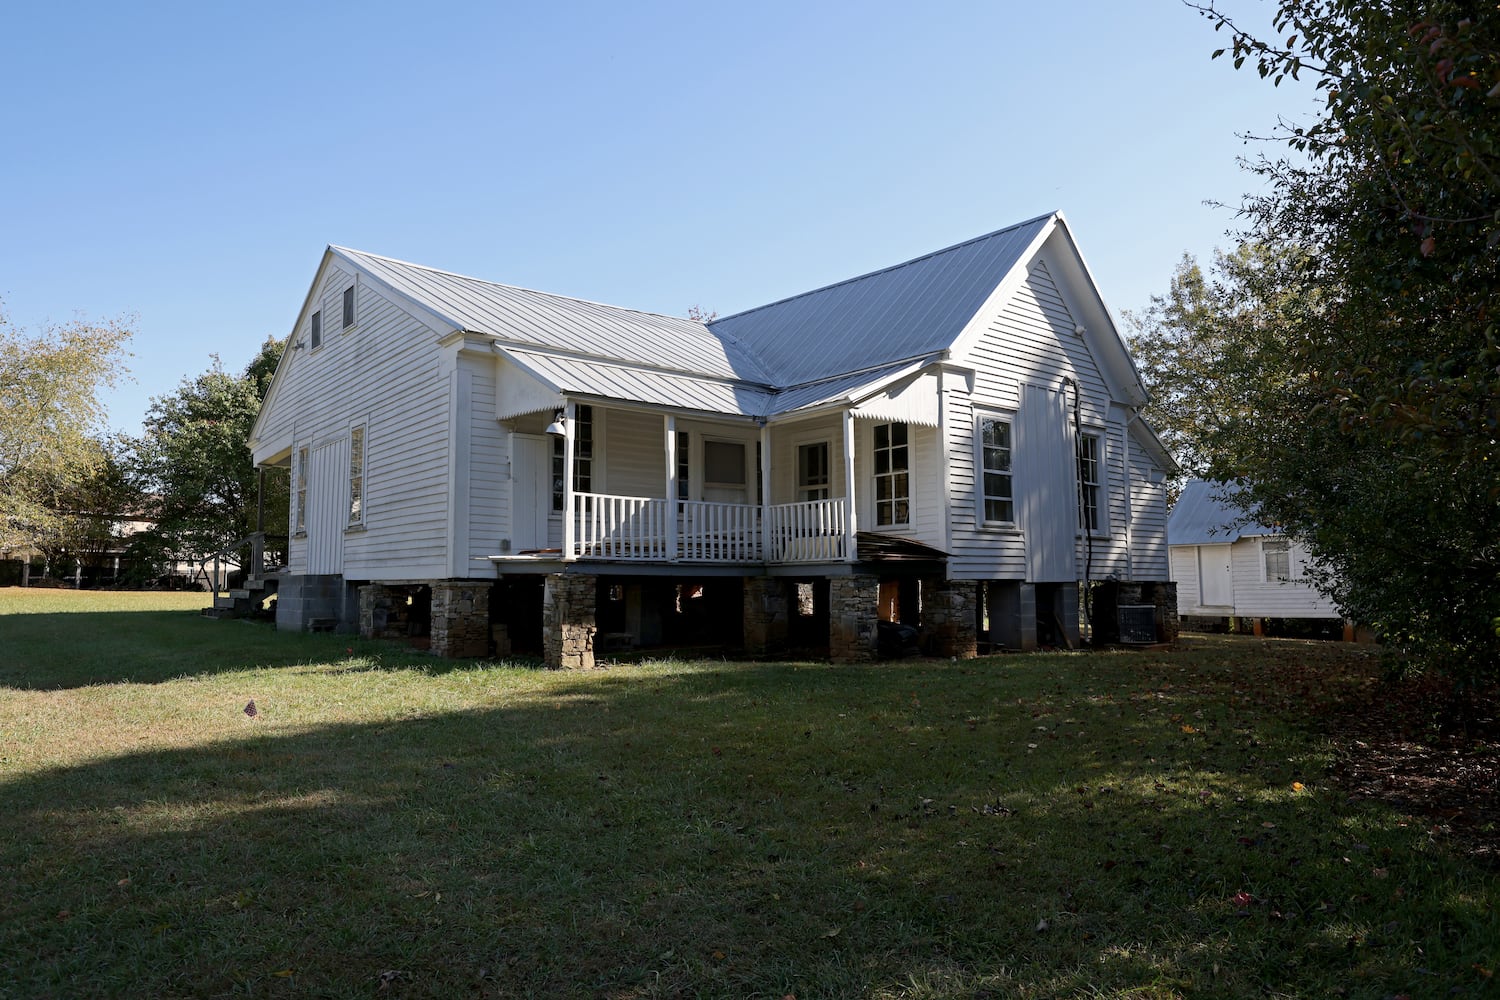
(1089, 470)
(299, 516)
(356, 476)
(348, 307)
(1277, 555)
(892, 475)
(583, 456)
(997, 488)
(316, 334)
(814, 474)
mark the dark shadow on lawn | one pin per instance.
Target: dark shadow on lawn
(746, 830)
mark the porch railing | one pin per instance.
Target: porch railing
(809, 531)
(607, 526)
(616, 527)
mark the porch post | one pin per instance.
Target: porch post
(851, 526)
(669, 426)
(765, 490)
(570, 519)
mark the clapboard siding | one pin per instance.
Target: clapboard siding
(1031, 340)
(787, 438)
(489, 466)
(1254, 595)
(383, 372)
(635, 456)
(1148, 531)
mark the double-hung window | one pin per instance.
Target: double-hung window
(997, 487)
(892, 475)
(1277, 554)
(1089, 468)
(813, 472)
(356, 476)
(583, 456)
(299, 516)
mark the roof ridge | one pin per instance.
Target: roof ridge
(518, 288)
(887, 269)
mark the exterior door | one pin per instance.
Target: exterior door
(1215, 582)
(531, 492)
(1046, 471)
(327, 506)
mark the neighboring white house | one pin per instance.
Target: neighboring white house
(924, 444)
(1225, 565)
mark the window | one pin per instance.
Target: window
(724, 463)
(684, 465)
(813, 471)
(317, 330)
(997, 489)
(356, 476)
(1277, 553)
(300, 515)
(892, 475)
(348, 307)
(583, 456)
(1088, 482)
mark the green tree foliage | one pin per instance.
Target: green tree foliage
(50, 417)
(194, 464)
(1381, 440)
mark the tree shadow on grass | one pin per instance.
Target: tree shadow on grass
(918, 829)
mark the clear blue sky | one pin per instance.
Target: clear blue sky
(187, 162)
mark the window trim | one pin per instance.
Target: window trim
(801, 488)
(875, 477)
(315, 330)
(357, 521)
(1101, 527)
(1008, 418)
(1286, 550)
(350, 306)
(744, 446)
(595, 466)
(299, 492)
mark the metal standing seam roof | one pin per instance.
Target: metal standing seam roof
(904, 311)
(542, 320)
(820, 347)
(1202, 516)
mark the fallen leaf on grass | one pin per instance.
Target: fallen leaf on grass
(1242, 900)
(832, 932)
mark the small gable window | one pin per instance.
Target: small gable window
(316, 335)
(348, 307)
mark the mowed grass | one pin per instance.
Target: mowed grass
(1103, 825)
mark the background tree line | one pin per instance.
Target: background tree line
(1342, 362)
(68, 488)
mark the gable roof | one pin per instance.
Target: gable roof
(555, 322)
(895, 314)
(834, 346)
(1205, 515)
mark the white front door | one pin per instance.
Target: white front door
(531, 491)
(1215, 581)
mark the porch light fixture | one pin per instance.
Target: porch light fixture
(559, 425)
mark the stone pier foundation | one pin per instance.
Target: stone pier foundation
(568, 621)
(766, 615)
(461, 618)
(949, 617)
(853, 602)
(381, 611)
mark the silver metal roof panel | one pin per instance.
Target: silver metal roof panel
(1204, 516)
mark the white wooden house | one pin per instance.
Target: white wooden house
(952, 443)
(1227, 565)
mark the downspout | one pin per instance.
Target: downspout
(1088, 533)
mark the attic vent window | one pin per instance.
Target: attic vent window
(348, 307)
(316, 335)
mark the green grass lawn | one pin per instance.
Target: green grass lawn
(1114, 824)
